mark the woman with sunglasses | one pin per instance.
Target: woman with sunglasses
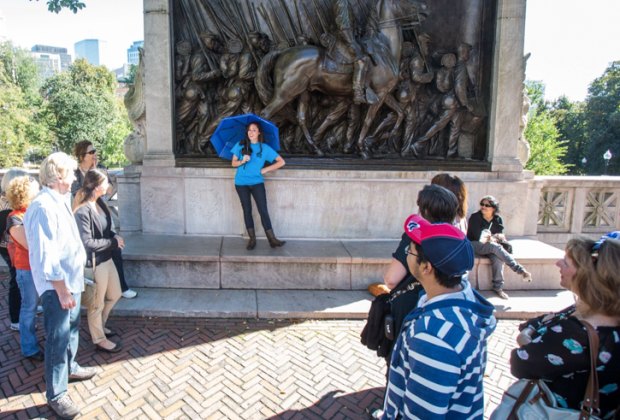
(555, 347)
(485, 230)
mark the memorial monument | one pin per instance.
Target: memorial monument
(372, 97)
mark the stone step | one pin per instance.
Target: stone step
(199, 262)
(306, 304)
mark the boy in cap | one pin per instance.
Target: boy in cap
(439, 359)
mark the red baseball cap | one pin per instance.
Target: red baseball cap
(444, 245)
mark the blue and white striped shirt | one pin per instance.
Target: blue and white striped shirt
(55, 249)
(438, 363)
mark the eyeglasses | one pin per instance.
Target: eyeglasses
(91, 152)
(486, 205)
(408, 251)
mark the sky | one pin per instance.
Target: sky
(117, 22)
(571, 41)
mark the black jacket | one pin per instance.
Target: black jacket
(94, 238)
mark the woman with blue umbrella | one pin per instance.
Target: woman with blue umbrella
(249, 157)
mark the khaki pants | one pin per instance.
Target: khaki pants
(106, 292)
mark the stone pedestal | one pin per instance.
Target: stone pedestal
(129, 199)
(323, 204)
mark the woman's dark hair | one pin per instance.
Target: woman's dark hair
(457, 186)
(437, 204)
(246, 148)
(92, 179)
(492, 201)
(80, 149)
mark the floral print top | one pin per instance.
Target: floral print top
(559, 353)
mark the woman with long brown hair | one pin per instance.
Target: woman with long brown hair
(95, 226)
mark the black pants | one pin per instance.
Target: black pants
(117, 257)
(15, 297)
(260, 198)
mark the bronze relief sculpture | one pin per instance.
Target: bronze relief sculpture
(369, 79)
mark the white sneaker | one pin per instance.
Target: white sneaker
(39, 310)
(14, 326)
(129, 294)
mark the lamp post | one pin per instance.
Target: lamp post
(584, 161)
(607, 157)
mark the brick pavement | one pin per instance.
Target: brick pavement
(216, 369)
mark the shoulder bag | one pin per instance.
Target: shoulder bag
(532, 399)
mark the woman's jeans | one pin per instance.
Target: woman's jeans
(62, 330)
(260, 198)
(28, 313)
(498, 256)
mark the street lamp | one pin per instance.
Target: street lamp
(607, 156)
(584, 161)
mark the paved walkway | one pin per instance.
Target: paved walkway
(223, 369)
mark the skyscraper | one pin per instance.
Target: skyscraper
(91, 50)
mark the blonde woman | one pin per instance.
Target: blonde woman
(555, 347)
(95, 227)
(21, 191)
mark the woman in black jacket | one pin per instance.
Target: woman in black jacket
(95, 226)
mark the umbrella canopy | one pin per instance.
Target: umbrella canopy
(234, 129)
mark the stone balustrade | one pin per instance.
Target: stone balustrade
(573, 205)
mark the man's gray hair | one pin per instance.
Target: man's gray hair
(56, 167)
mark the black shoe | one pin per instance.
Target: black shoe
(38, 356)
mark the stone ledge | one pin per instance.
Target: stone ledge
(306, 304)
(153, 247)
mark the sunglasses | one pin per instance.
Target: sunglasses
(408, 251)
(486, 205)
(91, 152)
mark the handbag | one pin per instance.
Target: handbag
(532, 399)
(89, 272)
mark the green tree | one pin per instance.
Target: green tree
(570, 122)
(602, 120)
(82, 106)
(546, 150)
(23, 129)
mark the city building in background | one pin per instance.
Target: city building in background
(63, 55)
(90, 49)
(133, 55)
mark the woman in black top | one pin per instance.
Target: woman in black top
(100, 241)
(555, 347)
(485, 230)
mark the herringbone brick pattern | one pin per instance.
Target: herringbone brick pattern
(222, 369)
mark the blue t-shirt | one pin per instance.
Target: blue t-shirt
(249, 173)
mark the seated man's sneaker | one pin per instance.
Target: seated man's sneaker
(64, 407)
(129, 294)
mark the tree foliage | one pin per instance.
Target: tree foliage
(602, 120)
(82, 106)
(57, 5)
(23, 129)
(546, 149)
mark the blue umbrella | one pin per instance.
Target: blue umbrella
(234, 129)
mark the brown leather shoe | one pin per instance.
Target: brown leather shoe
(377, 289)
